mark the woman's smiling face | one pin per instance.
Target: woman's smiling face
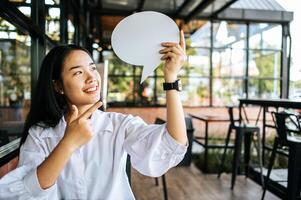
(81, 80)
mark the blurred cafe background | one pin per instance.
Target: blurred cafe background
(243, 73)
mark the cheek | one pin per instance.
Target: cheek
(98, 77)
(72, 87)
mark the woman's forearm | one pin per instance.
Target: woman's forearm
(174, 56)
(49, 170)
(175, 114)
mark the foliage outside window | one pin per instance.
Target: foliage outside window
(15, 65)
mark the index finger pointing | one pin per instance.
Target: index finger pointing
(90, 111)
(182, 40)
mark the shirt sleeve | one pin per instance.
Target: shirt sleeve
(152, 149)
(22, 183)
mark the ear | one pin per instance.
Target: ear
(57, 87)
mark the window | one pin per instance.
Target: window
(52, 25)
(295, 83)
(264, 61)
(15, 80)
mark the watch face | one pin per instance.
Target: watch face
(179, 85)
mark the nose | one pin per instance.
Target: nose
(90, 77)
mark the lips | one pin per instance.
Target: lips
(91, 89)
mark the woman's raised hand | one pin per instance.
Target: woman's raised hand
(174, 55)
(79, 129)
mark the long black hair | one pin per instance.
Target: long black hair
(47, 105)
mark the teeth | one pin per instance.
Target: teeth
(91, 89)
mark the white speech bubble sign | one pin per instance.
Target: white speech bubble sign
(137, 39)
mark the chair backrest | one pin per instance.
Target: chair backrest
(3, 137)
(282, 121)
(189, 124)
(128, 169)
(189, 131)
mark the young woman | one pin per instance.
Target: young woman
(72, 150)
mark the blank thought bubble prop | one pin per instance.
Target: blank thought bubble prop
(137, 39)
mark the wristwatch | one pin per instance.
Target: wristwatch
(177, 85)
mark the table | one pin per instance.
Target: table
(208, 119)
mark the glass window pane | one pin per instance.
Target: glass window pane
(120, 90)
(15, 80)
(161, 94)
(144, 92)
(23, 6)
(262, 88)
(118, 67)
(295, 82)
(295, 89)
(138, 70)
(198, 63)
(52, 25)
(228, 62)
(26, 10)
(195, 92)
(71, 31)
(227, 91)
(201, 35)
(52, 2)
(263, 63)
(228, 34)
(265, 36)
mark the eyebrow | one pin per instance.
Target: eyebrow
(78, 66)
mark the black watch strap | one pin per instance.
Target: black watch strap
(173, 86)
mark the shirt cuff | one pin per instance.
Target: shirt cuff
(32, 185)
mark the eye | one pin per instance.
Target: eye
(93, 68)
(77, 73)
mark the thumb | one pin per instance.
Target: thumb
(74, 113)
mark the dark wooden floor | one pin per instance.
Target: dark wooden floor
(188, 183)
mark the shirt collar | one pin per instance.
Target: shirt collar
(102, 122)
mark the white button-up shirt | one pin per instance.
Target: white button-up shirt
(97, 169)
